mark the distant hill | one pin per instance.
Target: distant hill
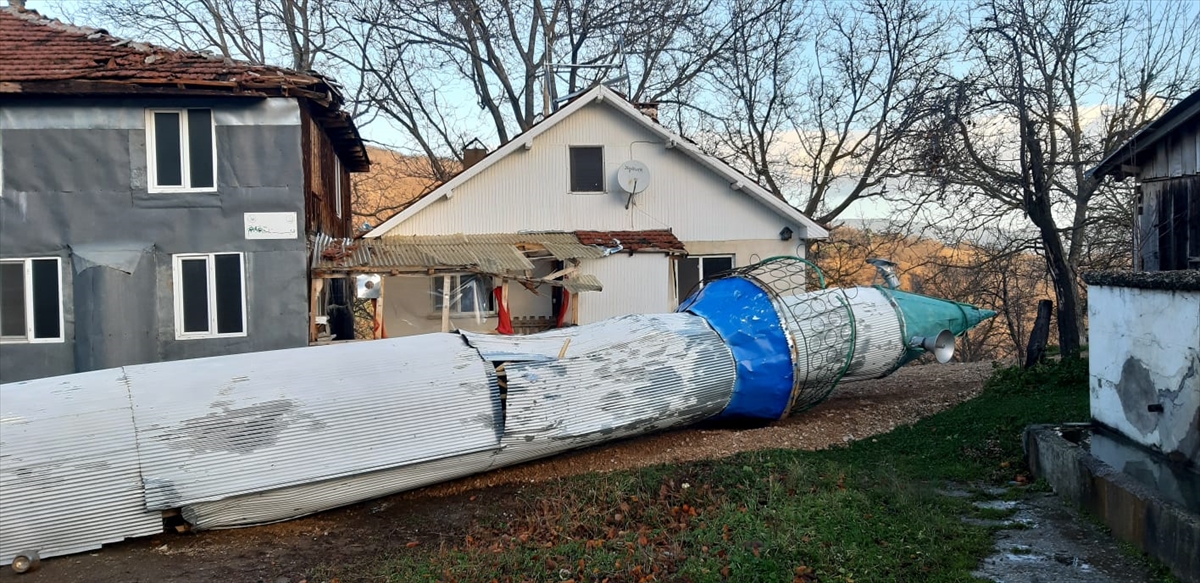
(395, 181)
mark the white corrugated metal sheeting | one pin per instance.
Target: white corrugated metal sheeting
(296, 501)
(69, 476)
(261, 437)
(252, 422)
(879, 341)
(491, 253)
(635, 374)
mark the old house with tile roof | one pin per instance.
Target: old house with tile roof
(647, 214)
(156, 204)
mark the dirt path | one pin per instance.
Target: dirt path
(281, 553)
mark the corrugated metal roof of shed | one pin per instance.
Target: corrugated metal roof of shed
(490, 253)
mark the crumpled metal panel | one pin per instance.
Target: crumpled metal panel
(583, 282)
(497, 258)
(69, 475)
(586, 339)
(634, 375)
(304, 499)
(541, 346)
(573, 250)
(254, 422)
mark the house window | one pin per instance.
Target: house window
(31, 300)
(690, 271)
(210, 292)
(469, 294)
(587, 169)
(337, 186)
(181, 150)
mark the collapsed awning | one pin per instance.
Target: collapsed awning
(510, 255)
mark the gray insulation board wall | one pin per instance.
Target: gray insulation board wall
(74, 175)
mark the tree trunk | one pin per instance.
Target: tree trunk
(1040, 335)
(1066, 291)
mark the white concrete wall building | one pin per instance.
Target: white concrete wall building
(1144, 345)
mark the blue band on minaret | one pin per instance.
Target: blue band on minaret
(743, 315)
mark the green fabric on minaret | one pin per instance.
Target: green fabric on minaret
(927, 316)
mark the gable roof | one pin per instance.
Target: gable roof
(43, 56)
(603, 94)
(1146, 138)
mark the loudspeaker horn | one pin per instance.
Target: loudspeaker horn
(941, 346)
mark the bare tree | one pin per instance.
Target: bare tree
(1017, 133)
(815, 100)
(289, 33)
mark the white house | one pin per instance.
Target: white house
(561, 177)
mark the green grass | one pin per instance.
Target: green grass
(864, 512)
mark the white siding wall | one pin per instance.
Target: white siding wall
(528, 190)
(746, 252)
(633, 284)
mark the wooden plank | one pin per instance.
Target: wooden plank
(445, 303)
(377, 324)
(314, 299)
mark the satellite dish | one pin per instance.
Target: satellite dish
(633, 176)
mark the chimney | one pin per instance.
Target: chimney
(19, 5)
(473, 155)
(648, 109)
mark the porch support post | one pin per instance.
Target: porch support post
(377, 324)
(446, 303)
(314, 299)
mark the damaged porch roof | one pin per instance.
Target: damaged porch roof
(501, 254)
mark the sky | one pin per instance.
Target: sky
(468, 113)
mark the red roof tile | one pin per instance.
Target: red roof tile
(37, 48)
(656, 240)
(45, 56)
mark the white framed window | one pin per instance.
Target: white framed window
(691, 270)
(31, 300)
(587, 169)
(470, 294)
(210, 295)
(181, 150)
(337, 186)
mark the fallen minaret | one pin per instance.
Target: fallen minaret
(97, 457)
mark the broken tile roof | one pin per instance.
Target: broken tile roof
(654, 240)
(46, 56)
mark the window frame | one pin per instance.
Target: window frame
(152, 185)
(571, 169)
(211, 294)
(455, 307)
(680, 293)
(27, 271)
